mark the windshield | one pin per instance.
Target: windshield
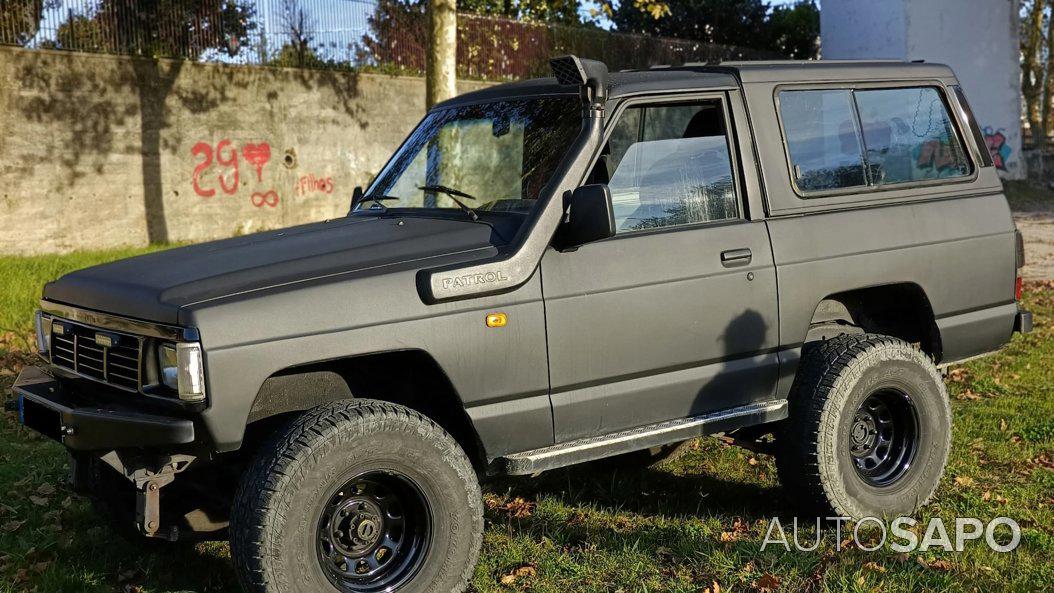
(490, 157)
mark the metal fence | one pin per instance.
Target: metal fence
(385, 35)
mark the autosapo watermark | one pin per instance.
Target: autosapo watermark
(1001, 534)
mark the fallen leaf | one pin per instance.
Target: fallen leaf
(874, 567)
(46, 490)
(37, 500)
(525, 571)
(518, 508)
(767, 583)
(11, 526)
(491, 502)
(965, 481)
(1002, 425)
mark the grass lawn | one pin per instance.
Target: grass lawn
(695, 524)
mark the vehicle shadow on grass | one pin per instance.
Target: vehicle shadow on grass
(649, 491)
(656, 512)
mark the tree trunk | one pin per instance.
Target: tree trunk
(153, 84)
(441, 62)
(1031, 72)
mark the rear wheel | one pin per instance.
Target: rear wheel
(358, 497)
(869, 428)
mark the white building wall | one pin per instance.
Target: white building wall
(977, 38)
(863, 29)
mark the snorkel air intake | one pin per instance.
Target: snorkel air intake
(590, 75)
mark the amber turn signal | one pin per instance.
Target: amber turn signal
(497, 320)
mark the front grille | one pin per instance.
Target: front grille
(77, 348)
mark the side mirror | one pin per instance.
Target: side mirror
(589, 216)
(356, 196)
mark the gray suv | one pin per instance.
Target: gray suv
(549, 272)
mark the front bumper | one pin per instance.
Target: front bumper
(81, 424)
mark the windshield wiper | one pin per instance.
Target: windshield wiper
(377, 199)
(454, 194)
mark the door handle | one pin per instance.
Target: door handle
(735, 257)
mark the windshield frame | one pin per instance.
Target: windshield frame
(569, 153)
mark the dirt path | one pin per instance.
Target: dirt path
(1038, 230)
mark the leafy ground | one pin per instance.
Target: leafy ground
(696, 524)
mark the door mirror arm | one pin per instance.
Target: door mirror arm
(356, 197)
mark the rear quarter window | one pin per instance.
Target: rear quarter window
(823, 139)
(840, 139)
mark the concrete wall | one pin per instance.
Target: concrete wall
(99, 151)
(977, 38)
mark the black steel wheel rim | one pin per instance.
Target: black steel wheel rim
(374, 533)
(884, 437)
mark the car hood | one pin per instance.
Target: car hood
(155, 286)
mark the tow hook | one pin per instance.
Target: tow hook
(148, 505)
(149, 479)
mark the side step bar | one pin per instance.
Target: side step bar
(670, 431)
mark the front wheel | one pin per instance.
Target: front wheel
(358, 497)
(869, 428)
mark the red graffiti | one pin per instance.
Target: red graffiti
(268, 198)
(997, 146)
(204, 150)
(257, 155)
(309, 184)
(231, 162)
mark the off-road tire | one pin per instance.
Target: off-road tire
(284, 491)
(834, 378)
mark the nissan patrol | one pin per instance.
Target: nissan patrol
(549, 272)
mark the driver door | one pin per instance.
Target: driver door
(675, 316)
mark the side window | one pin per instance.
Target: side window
(823, 139)
(909, 136)
(670, 165)
(845, 138)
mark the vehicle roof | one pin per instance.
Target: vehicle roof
(721, 76)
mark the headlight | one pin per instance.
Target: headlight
(181, 368)
(43, 326)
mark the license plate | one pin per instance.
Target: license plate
(42, 419)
